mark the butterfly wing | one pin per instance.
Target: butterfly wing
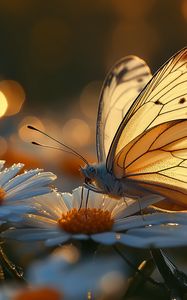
(164, 99)
(122, 85)
(157, 160)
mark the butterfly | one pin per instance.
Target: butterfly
(141, 132)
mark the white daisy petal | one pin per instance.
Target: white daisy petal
(81, 236)
(20, 178)
(2, 162)
(58, 240)
(95, 203)
(41, 179)
(81, 196)
(100, 203)
(6, 212)
(133, 241)
(76, 198)
(107, 238)
(15, 189)
(169, 230)
(129, 222)
(49, 205)
(119, 208)
(150, 219)
(16, 217)
(33, 220)
(67, 201)
(30, 234)
(151, 242)
(109, 204)
(133, 206)
(26, 193)
(22, 209)
(8, 173)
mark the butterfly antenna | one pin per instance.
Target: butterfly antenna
(56, 148)
(72, 151)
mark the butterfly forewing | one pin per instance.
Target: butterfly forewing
(121, 87)
(164, 99)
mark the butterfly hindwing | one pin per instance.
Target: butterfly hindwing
(122, 85)
(157, 160)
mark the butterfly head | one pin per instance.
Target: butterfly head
(89, 172)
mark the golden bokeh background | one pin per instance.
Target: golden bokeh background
(54, 56)
(53, 59)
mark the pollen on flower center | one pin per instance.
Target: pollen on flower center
(86, 220)
(2, 195)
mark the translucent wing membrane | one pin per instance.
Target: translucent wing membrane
(164, 99)
(122, 85)
(157, 160)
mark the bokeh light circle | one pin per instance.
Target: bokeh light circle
(3, 146)
(3, 104)
(14, 94)
(26, 134)
(89, 99)
(76, 132)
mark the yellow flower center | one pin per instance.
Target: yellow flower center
(38, 294)
(2, 195)
(86, 220)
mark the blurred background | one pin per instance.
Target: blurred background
(53, 58)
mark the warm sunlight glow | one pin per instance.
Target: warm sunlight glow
(2, 195)
(132, 9)
(15, 96)
(29, 135)
(3, 104)
(76, 132)
(67, 252)
(3, 145)
(89, 99)
(184, 9)
(113, 284)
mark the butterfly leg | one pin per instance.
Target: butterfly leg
(139, 200)
(82, 195)
(87, 198)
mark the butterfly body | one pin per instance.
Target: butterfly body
(98, 179)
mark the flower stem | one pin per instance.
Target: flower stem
(145, 271)
(175, 280)
(10, 268)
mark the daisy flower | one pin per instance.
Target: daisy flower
(84, 215)
(14, 189)
(81, 279)
(59, 278)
